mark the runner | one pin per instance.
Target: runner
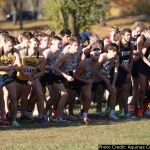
(124, 72)
(9, 62)
(109, 61)
(31, 59)
(65, 64)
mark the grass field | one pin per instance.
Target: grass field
(75, 135)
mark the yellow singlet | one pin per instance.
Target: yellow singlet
(30, 65)
(6, 61)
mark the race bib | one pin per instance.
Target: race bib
(125, 63)
(105, 73)
(28, 70)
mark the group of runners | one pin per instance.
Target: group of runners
(66, 65)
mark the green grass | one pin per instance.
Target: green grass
(75, 135)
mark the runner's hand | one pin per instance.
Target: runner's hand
(69, 78)
(113, 88)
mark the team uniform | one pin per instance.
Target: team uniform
(106, 71)
(30, 65)
(48, 77)
(6, 61)
(68, 68)
(124, 55)
(85, 74)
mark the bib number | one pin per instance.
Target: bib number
(125, 63)
(28, 70)
(105, 73)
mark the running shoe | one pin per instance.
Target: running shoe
(45, 118)
(29, 115)
(15, 124)
(129, 116)
(140, 112)
(121, 114)
(147, 113)
(99, 113)
(9, 119)
(87, 120)
(1, 113)
(131, 107)
(42, 122)
(113, 117)
(61, 120)
(66, 111)
(55, 113)
(107, 110)
(4, 122)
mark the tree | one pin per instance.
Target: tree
(17, 8)
(35, 4)
(76, 14)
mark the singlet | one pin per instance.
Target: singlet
(6, 61)
(134, 42)
(70, 65)
(30, 66)
(51, 61)
(124, 54)
(88, 72)
(106, 68)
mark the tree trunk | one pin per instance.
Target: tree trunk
(20, 14)
(62, 17)
(14, 7)
(103, 19)
(71, 23)
(35, 4)
(14, 17)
